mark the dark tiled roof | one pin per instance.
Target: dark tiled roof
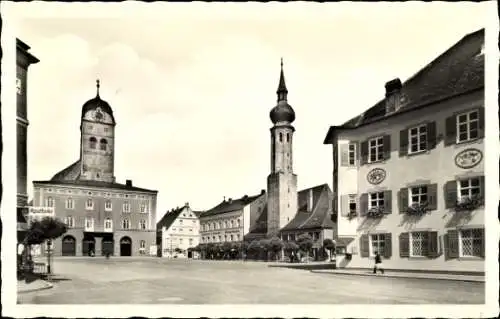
(230, 205)
(457, 71)
(95, 103)
(260, 225)
(100, 184)
(319, 216)
(71, 172)
(197, 213)
(169, 218)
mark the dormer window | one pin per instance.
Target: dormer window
(103, 144)
(392, 95)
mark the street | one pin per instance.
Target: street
(161, 281)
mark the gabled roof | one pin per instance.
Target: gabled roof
(231, 205)
(319, 216)
(457, 71)
(71, 172)
(169, 218)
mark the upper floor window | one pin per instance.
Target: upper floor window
(89, 204)
(352, 204)
(467, 126)
(220, 225)
(92, 142)
(50, 202)
(226, 224)
(70, 204)
(108, 205)
(180, 221)
(89, 223)
(142, 224)
(126, 207)
(352, 154)
(238, 221)
(376, 149)
(213, 226)
(144, 208)
(376, 200)
(69, 221)
(281, 137)
(103, 144)
(288, 137)
(19, 87)
(418, 195)
(108, 224)
(468, 188)
(126, 224)
(417, 139)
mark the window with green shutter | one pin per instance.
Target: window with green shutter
(404, 245)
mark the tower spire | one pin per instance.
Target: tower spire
(282, 90)
(98, 85)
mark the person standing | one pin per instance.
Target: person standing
(378, 264)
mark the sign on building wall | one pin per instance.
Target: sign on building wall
(38, 213)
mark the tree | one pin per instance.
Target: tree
(329, 245)
(276, 245)
(305, 243)
(45, 229)
(226, 248)
(264, 247)
(291, 247)
(254, 248)
(210, 249)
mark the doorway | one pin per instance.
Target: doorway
(88, 245)
(125, 246)
(68, 246)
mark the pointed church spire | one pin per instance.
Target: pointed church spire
(98, 86)
(282, 91)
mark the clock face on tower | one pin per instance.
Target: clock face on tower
(98, 116)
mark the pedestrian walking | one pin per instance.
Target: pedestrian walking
(378, 264)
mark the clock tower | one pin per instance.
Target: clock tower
(97, 143)
(282, 182)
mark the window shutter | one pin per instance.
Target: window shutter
(404, 245)
(344, 154)
(364, 246)
(363, 204)
(431, 135)
(387, 202)
(403, 142)
(403, 200)
(453, 244)
(450, 189)
(432, 196)
(483, 187)
(387, 147)
(483, 242)
(344, 205)
(433, 244)
(364, 152)
(451, 131)
(388, 245)
(481, 122)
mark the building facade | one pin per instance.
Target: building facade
(179, 232)
(231, 219)
(101, 214)
(408, 178)
(23, 60)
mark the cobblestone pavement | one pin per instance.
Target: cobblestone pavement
(161, 281)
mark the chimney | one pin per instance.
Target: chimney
(393, 95)
(263, 191)
(128, 183)
(224, 199)
(230, 200)
(310, 201)
(187, 204)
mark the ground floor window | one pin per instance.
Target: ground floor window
(471, 242)
(418, 247)
(377, 244)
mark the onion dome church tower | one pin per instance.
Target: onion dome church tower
(281, 182)
(97, 143)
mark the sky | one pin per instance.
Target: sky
(191, 86)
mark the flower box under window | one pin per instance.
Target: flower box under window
(417, 209)
(375, 212)
(352, 214)
(469, 203)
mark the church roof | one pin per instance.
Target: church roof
(97, 102)
(320, 214)
(457, 71)
(231, 205)
(72, 172)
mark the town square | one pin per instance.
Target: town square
(271, 156)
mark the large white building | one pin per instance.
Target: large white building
(177, 232)
(408, 176)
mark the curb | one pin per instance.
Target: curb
(404, 277)
(46, 286)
